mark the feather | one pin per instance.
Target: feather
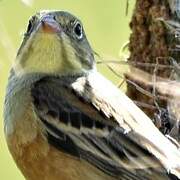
(87, 117)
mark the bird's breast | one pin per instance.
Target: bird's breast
(37, 159)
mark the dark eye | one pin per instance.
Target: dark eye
(30, 26)
(78, 30)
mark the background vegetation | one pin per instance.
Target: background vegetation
(106, 27)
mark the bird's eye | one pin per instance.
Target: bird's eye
(30, 26)
(78, 30)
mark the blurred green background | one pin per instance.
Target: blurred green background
(106, 26)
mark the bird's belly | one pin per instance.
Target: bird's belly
(40, 161)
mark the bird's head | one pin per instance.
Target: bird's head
(55, 42)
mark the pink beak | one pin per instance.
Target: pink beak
(50, 25)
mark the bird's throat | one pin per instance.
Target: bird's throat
(48, 53)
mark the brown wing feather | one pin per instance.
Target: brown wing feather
(84, 122)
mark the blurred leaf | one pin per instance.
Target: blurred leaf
(27, 2)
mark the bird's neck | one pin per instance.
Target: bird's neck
(17, 98)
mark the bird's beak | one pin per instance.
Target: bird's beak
(49, 25)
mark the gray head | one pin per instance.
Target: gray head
(55, 43)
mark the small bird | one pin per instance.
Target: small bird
(64, 121)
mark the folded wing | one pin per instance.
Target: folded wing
(82, 119)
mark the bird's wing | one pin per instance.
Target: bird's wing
(89, 118)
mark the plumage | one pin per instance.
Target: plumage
(67, 121)
(101, 142)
